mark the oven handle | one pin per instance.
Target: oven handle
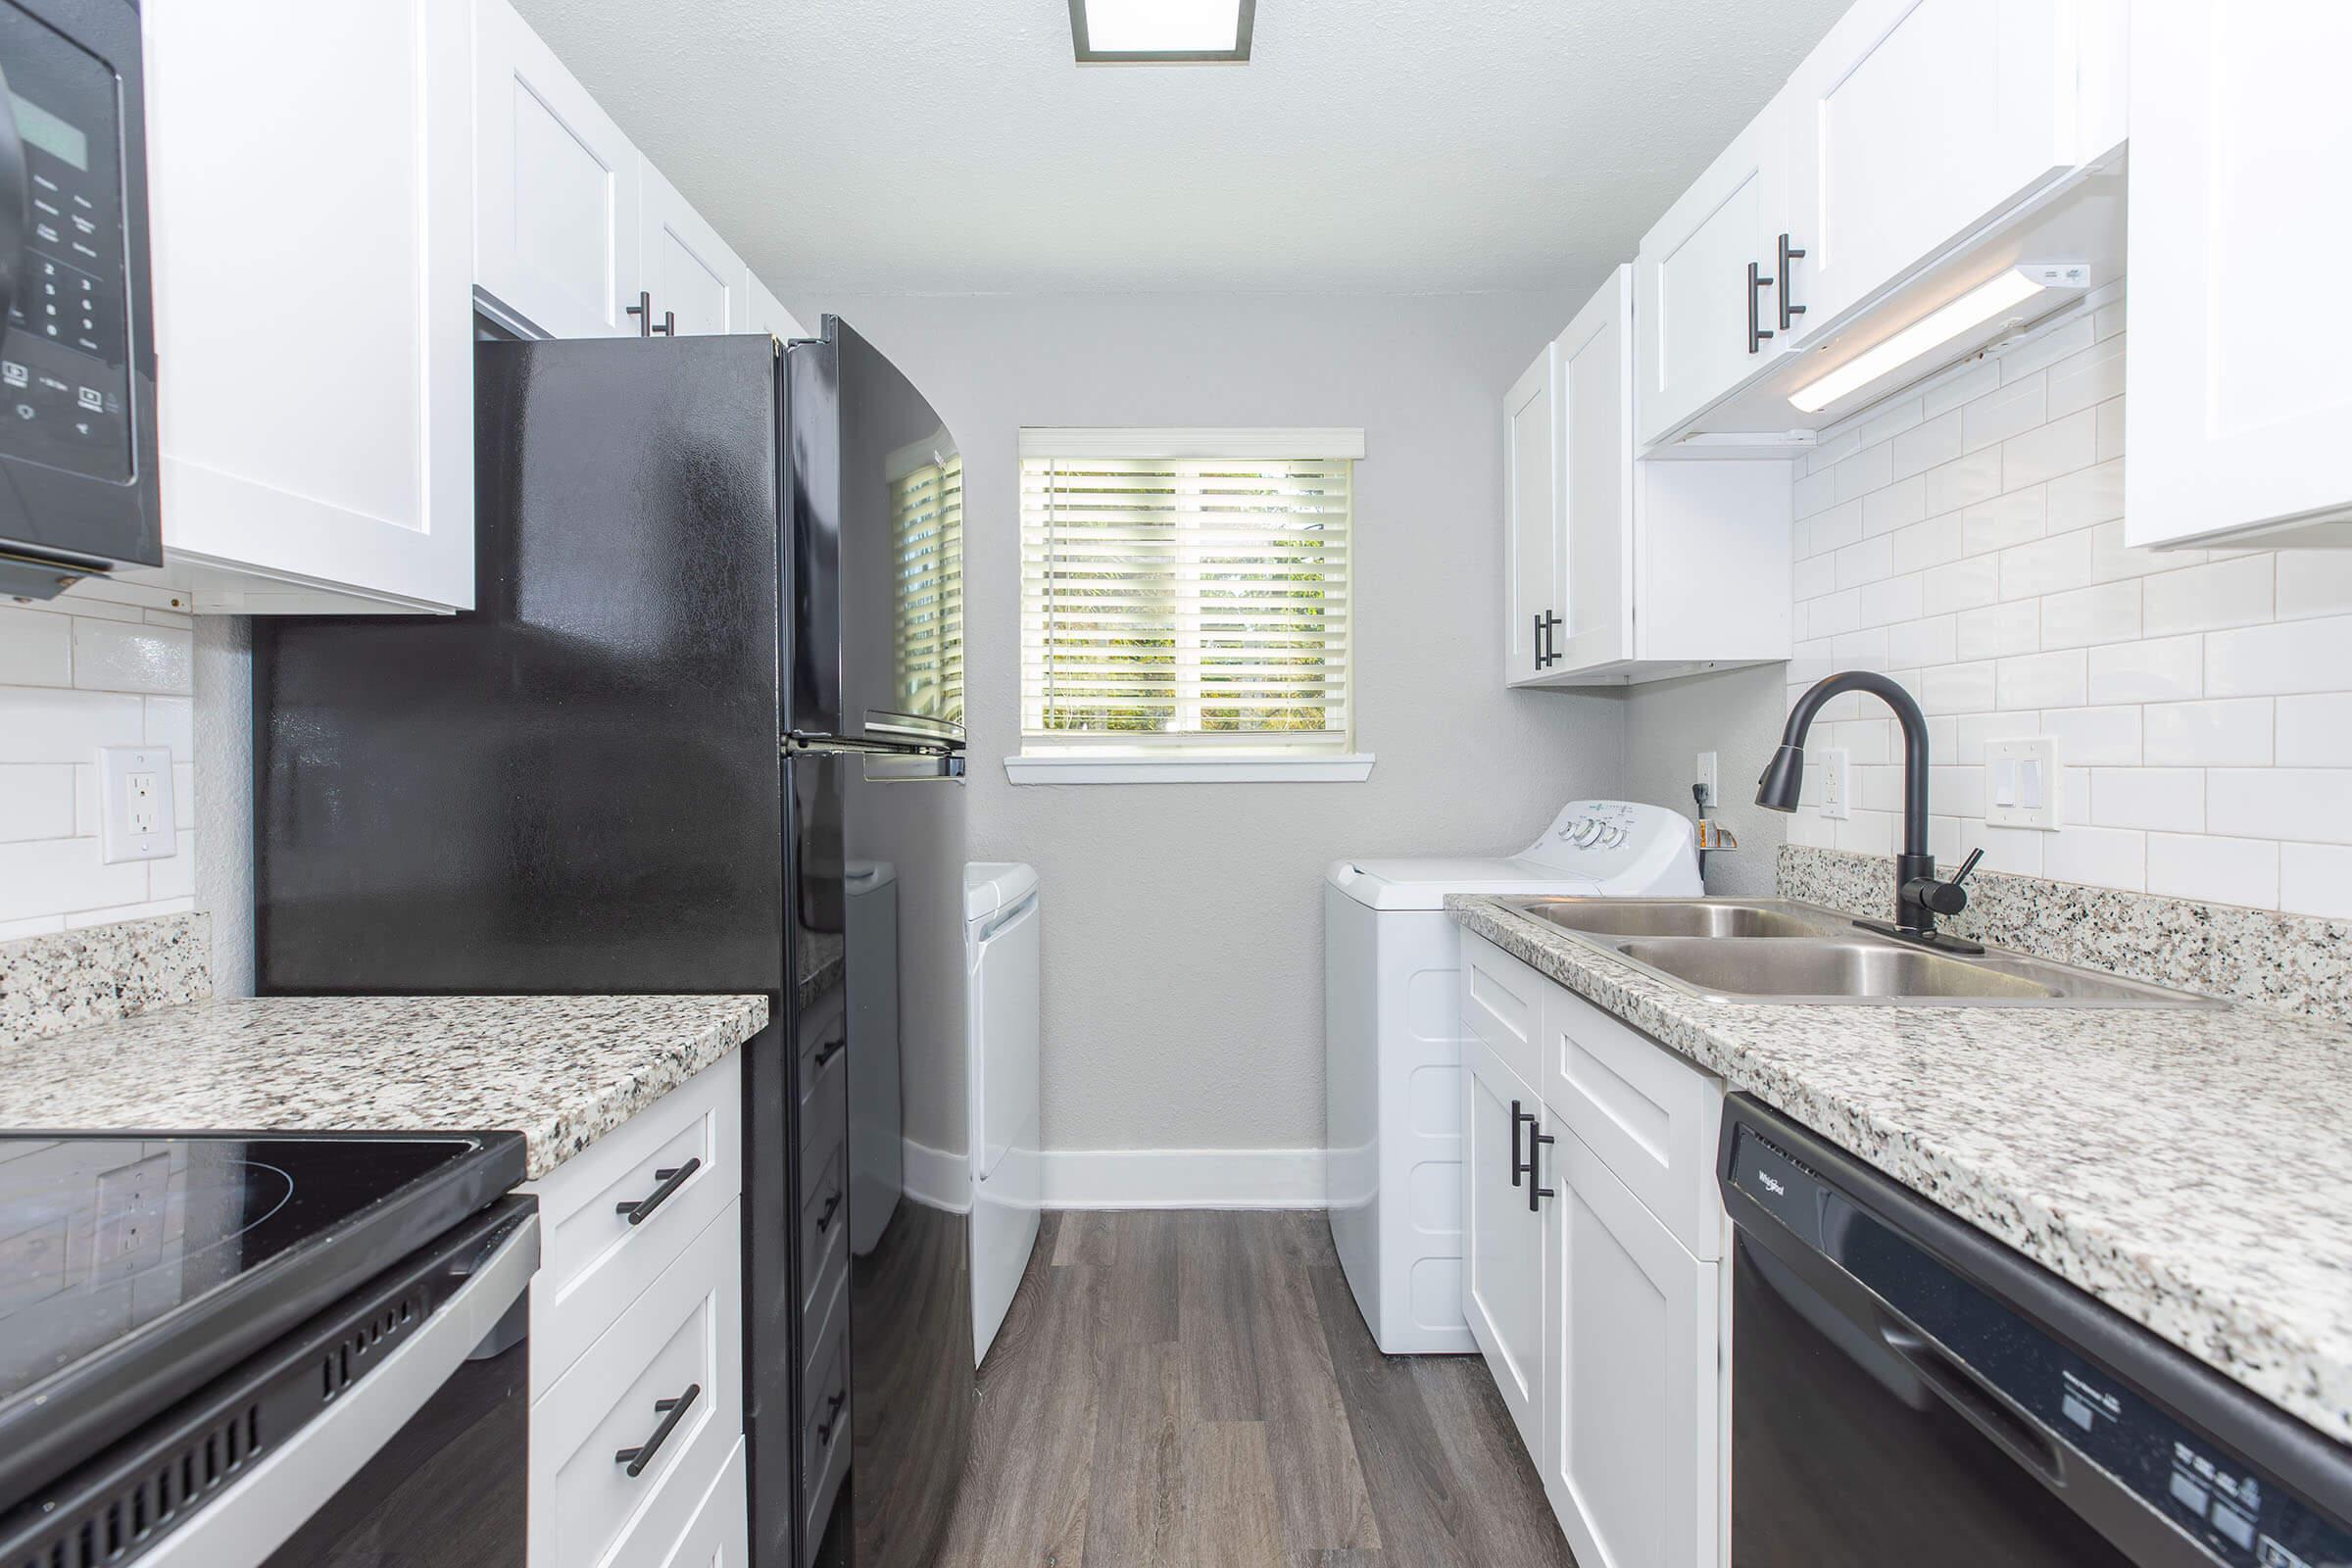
(247, 1521)
(16, 196)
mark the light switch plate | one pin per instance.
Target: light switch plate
(1837, 784)
(2022, 786)
(135, 820)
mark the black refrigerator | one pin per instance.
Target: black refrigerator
(704, 734)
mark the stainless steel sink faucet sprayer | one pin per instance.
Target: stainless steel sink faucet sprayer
(1918, 897)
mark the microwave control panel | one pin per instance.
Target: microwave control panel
(65, 371)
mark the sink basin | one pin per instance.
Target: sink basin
(1782, 950)
(1802, 969)
(1672, 917)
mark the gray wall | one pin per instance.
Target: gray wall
(1735, 714)
(1183, 963)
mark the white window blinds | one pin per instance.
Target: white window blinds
(1194, 600)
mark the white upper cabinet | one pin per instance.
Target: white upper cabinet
(693, 275)
(1914, 123)
(768, 312)
(1639, 570)
(312, 174)
(1534, 587)
(556, 189)
(1708, 317)
(2240, 403)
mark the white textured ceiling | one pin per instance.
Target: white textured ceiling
(1371, 145)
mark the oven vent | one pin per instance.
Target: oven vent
(343, 1362)
(121, 1526)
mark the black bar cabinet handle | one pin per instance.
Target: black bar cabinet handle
(671, 1179)
(643, 309)
(1517, 1116)
(1534, 1194)
(671, 1412)
(824, 1428)
(1788, 311)
(824, 1216)
(1551, 646)
(1757, 331)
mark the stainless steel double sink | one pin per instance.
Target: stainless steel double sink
(1781, 951)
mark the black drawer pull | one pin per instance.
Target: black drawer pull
(671, 1179)
(824, 1216)
(671, 1412)
(1536, 1194)
(824, 1428)
(829, 1049)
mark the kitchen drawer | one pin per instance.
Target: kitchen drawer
(594, 1261)
(824, 1106)
(684, 1332)
(1502, 1003)
(825, 1428)
(1650, 1116)
(719, 1534)
(824, 1235)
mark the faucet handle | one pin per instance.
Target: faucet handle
(1948, 898)
(1967, 865)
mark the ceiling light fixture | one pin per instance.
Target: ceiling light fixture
(1160, 31)
(1938, 327)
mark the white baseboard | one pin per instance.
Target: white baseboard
(1184, 1178)
(937, 1179)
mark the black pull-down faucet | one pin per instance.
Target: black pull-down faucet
(1919, 897)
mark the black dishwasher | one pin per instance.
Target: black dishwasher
(1907, 1391)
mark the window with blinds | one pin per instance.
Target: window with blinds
(1174, 597)
(927, 598)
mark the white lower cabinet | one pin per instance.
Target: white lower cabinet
(1632, 1450)
(1503, 1274)
(1600, 1312)
(719, 1535)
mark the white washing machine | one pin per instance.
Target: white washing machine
(1001, 950)
(1392, 1047)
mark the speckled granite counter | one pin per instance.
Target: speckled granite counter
(2190, 1168)
(561, 1070)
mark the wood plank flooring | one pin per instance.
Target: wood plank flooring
(1197, 1390)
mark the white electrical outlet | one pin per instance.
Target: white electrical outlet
(136, 821)
(1837, 785)
(2021, 783)
(1702, 774)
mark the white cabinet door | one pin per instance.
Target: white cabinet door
(1532, 483)
(1912, 123)
(2235, 382)
(1632, 1454)
(689, 269)
(1702, 324)
(1597, 514)
(768, 312)
(556, 226)
(312, 191)
(1502, 1242)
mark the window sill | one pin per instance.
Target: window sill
(1054, 769)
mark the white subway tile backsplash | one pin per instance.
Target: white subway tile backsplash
(2047, 451)
(2095, 737)
(2111, 560)
(1831, 453)
(1836, 613)
(2110, 422)
(1964, 388)
(1958, 688)
(1918, 644)
(2005, 412)
(1963, 585)
(2046, 567)
(2104, 857)
(118, 657)
(2315, 731)
(2042, 680)
(2220, 869)
(1995, 631)
(2169, 800)
(35, 649)
(2058, 343)
(65, 726)
(1964, 481)
(2227, 732)
(1934, 441)
(2105, 613)
(2281, 803)
(1814, 492)
(1866, 471)
(2084, 496)
(2002, 521)
(1815, 575)
(1890, 422)
(2158, 671)
(1927, 544)
(50, 876)
(36, 801)
(1894, 598)
(2223, 593)
(169, 721)
(1834, 529)
(1894, 505)
(2313, 582)
(2291, 656)
(2086, 379)
(1867, 561)
(1859, 649)
(2315, 879)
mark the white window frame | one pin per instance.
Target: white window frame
(1140, 760)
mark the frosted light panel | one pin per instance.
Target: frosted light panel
(1930, 332)
(1162, 27)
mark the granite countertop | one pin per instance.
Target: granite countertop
(561, 1070)
(2191, 1168)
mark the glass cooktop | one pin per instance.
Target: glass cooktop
(106, 1240)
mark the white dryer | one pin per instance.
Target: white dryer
(1392, 1047)
(1001, 950)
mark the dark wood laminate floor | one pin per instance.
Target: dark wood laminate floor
(1197, 1390)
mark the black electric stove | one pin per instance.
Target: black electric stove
(136, 1267)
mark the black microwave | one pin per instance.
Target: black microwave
(77, 449)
